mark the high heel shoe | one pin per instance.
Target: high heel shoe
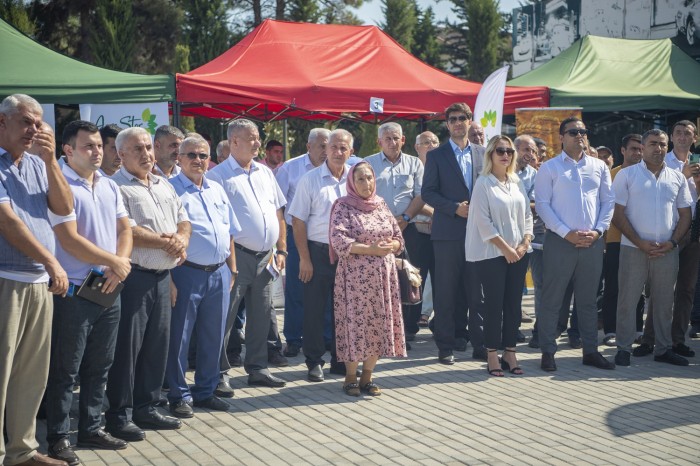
(515, 370)
(498, 372)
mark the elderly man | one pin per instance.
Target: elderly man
(252, 189)
(572, 246)
(203, 283)
(166, 146)
(97, 236)
(30, 187)
(476, 134)
(450, 173)
(684, 135)
(161, 232)
(649, 246)
(288, 177)
(399, 178)
(274, 155)
(311, 212)
(110, 159)
(222, 151)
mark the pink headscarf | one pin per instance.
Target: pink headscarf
(353, 199)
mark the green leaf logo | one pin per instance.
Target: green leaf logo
(489, 117)
(150, 121)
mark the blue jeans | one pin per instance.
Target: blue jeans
(202, 298)
(84, 335)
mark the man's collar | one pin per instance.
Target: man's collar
(566, 156)
(186, 182)
(236, 166)
(131, 177)
(456, 148)
(68, 172)
(384, 157)
(325, 171)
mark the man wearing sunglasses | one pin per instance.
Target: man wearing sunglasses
(574, 199)
(450, 174)
(203, 283)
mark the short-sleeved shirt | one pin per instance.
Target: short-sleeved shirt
(673, 162)
(315, 195)
(25, 187)
(97, 207)
(651, 203)
(288, 177)
(212, 218)
(256, 198)
(155, 207)
(397, 183)
(614, 235)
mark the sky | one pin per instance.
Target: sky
(371, 10)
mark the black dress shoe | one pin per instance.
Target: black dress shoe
(547, 363)
(597, 360)
(479, 353)
(446, 357)
(683, 350)
(276, 359)
(182, 409)
(460, 344)
(213, 403)
(642, 350)
(224, 390)
(156, 421)
(672, 358)
(315, 374)
(129, 432)
(622, 358)
(292, 350)
(63, 451)
(102, 440)
(265, 380)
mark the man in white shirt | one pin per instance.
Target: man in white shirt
(573, 197)
(652, 210)
(166, 146)
(288, 177)
(311, 211)
(683, 137)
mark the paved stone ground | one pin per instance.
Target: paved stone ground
(429, 414)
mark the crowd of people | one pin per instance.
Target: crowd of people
(133, 258)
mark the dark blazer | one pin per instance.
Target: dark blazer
(444, 189)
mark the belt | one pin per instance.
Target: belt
(318, 244)
(144, 269)
(206, 268)
(257, 254)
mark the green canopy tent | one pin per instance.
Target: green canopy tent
(605, 75)
(53, 78)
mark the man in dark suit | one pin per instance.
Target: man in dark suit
(450, 173)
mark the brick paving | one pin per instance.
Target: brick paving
(433, 414)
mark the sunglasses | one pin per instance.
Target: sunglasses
(503, 150)
(194, 155)
(455, 119)
(576, 132)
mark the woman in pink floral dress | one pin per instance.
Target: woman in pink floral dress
(364, 237)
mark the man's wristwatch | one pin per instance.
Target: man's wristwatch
(284, 253)
(406, 218)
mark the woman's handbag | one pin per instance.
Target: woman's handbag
(409, 282)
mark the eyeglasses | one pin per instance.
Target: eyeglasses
(503, 150)
(455, 119)
(194, 155)
(430, 143)
(576, 132)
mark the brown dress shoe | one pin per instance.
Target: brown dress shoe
(42, 460)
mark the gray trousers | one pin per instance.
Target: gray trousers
(636, 270)
(563, 262)
(254, 284)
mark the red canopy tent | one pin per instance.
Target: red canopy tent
(320, 71)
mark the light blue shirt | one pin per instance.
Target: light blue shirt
(397, 183)
(212, 218)
(255, 197)
(571, 195)
(288, 177)
(527, 176)
(97, 208)
(316, 193)
(464, 160)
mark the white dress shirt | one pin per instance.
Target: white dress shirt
(397, 183)
(255, 197)
(496, 209)
(315, 195)
(673, 162)
(651, 203)
(571, 195)
(288, 177)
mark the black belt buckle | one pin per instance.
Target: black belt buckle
(257, 254)
(206, 268)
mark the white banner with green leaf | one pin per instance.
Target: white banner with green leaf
(488, 111)
(148, 115)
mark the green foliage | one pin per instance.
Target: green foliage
(307, 11)
(205, 29)
(475, 40)
(15, 12)
(113, 36)
(426, 45)
(400, 21)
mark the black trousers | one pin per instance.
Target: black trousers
(419, 251)
(316, 293)
(502, 284)
(457, 297)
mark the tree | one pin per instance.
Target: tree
(475, 41)
(113, 35)
(16, 14)
(205, 29)
(400, 21)
(426, 45)
(303, 11)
